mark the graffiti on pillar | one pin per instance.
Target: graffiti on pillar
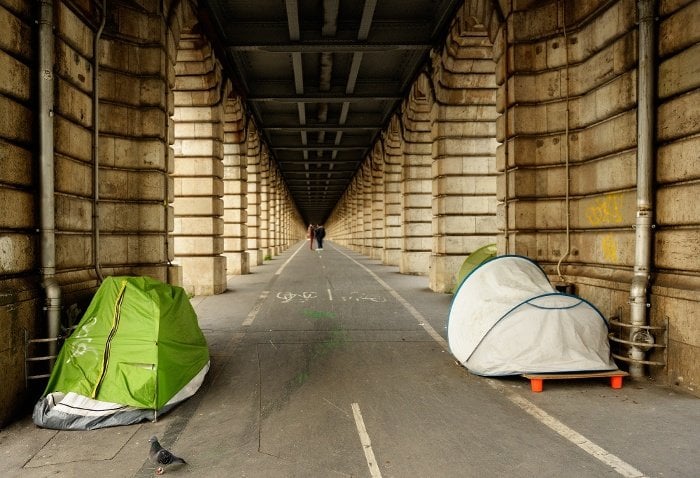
(608, 246)
(606, 209)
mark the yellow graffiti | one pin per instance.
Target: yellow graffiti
(605, 210)
(608, 246)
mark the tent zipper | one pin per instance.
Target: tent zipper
(112, 332)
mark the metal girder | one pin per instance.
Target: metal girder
(318, 126)
(329, 47)
(312, 128)
(316, 161)
(324, 98)
(324, 181)
(329, 147)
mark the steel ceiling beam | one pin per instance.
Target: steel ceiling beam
(316, 127)
(239, 32)
(323, 98)
(329, 147)
(342, 46)
(317, 162)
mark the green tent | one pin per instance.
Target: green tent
(473, 260)
(138, 345)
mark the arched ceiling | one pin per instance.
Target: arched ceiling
(322, 78)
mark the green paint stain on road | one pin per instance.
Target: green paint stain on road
(318, 314)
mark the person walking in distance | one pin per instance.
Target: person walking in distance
(310, 233)
(320, 233)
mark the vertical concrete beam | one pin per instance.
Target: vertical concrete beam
(235, 189)
(377, 172)
(265, 204)
(199, 168)
(356, 231)
(677, 179)
(274, 213)
(254, 153)
(393, 147)
(366, 195)
(416, 184)
(464, 150)
(20, 306)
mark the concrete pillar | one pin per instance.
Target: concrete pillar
(377, 171)
(274, 212)
(416, 184)
(464, 150)
(338, 222)
(265, 205)
(235, 189)
(254, 152)
(393, 147)
(366, 194)
(357, 214)
(198, 175)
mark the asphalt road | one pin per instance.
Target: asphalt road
(326, 363)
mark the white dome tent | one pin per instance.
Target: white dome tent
(506, 318)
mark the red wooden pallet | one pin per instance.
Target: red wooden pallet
(537, 379)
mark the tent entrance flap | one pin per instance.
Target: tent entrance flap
(507, 319)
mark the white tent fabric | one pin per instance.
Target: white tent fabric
(507, 319)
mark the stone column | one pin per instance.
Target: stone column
(356, 220)
(464, 150)
(253, 169)
(198, 175)
(338, 221)
(392, 194)
(274, 212)
(366, 232)
(416, 185)
(265, 204)
(235, 189)
(377, 171)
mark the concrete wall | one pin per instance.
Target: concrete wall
(677, 242)
(463, 121)
(199, 99)
(562, 153)
(162, 97)
(235, 189)
(547, 167)
(19, 289)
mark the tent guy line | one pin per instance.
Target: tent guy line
(599, 453)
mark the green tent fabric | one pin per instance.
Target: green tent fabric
(473, 260)
(138, 344)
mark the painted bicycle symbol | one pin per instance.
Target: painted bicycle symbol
(287, 297)
(363, 297)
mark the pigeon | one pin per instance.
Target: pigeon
(162, 457)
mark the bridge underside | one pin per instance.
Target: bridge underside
(416, 131)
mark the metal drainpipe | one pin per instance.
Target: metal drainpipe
(639, 302)
(47, 206)
(567, 186)
(95, 143)
(506, 232)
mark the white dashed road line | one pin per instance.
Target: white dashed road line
(366, 442)
(597, 452)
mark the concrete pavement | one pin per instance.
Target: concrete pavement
(326, 363)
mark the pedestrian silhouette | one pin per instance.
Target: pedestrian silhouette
(320, 233)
